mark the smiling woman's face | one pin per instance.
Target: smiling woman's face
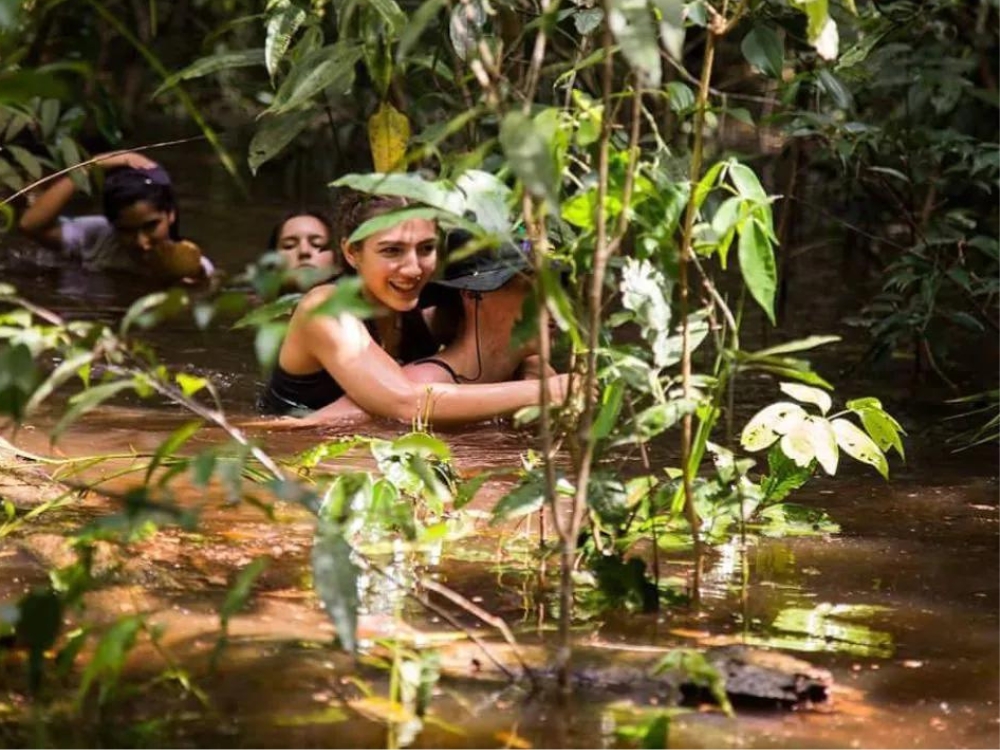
(304, 242)
(396, 264)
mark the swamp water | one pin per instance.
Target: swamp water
(901, 605)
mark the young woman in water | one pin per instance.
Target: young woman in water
(324, 357)
(303, 241)
(138, 232)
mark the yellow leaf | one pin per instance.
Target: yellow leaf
(388, 135)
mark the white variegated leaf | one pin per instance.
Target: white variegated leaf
(797, 444)
(770, 422)
(857, 444)
(808, 395)
(824, 443)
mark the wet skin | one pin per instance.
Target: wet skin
(304, 242)
(396, 264)
(141, 226)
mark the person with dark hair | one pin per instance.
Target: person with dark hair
(323, 357)
(303, 241)
(138, 232)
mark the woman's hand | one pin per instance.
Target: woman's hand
(133, 159)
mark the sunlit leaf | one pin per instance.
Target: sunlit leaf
(824, 443)
(770, 422)
(798, 445)
(170, 446)
(281, 27)
(388, 136)
(808, 395)
(858, 445)
(810, 342)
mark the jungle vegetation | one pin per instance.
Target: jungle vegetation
(675, 155)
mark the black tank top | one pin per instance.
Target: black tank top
(300, 394)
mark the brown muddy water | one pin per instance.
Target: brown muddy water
(901, 605)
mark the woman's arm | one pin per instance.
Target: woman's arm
(379, 386)
(40, 221)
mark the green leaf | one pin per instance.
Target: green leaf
(821, 29)
(190, 384)
(783, 477)
(523, 499)
(419, 19)
(336, 579)
(108, 660)
(406, 185)
(237, 596)
(858, 445)
(27, 160)
(89, 399)
(611, 406)
(391, 13)
(267, 344)
(531, 156)
(279, 308)
(707, 183)
(393, 218)
(346, 297)
(467, 490)
(838, 91)
(758, 267)
(169, 446)
(274, 133)
(422, 444)
(763, 49)
(147, 311)
(631, 22)
(680, 96)
(808, 395)
(213, 64)
(672, 26)
(746, 182)
(810, 342)
(281, 27)
(329, 67)
(770, 422)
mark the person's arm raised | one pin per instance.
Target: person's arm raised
(378, 385)
(40, 221)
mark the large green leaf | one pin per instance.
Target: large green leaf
(757, 266)
(335, 577)
(213, 64)
(330, 67)
(406, 185)
(531, 155)
(523, 499)
(631, 22)
(281, 27)
(274, 132)
(763, 49)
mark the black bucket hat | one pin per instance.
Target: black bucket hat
(484, 270)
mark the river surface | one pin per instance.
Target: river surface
(901, 605)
